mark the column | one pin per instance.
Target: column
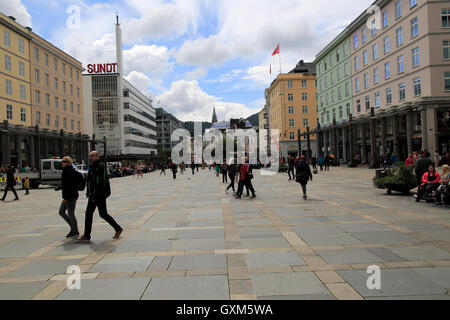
(383, 134)
(325, 139)
(335, 142)
(409, 131)
(37, 141)
(363, 143)
(32, 152)
(395, 135)
(19, 151)
(373, 139)
(344, 144)
(6, 150)
(424, 129)
(432, 130)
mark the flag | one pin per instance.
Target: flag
(277, 50)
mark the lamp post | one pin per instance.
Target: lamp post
(299, 134)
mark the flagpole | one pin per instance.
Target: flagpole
(280, 59)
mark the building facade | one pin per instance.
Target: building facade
(166, 124)
(334, 77)
(401, 80)
(293, 107)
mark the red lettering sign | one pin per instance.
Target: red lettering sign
(102, 68)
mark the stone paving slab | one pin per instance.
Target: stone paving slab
(416, 253)
(20, 291)
(122, 264)
(348, 256)
(48, 267)
(198, 262)
(273, 259)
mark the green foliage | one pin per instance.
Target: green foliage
(402, 177)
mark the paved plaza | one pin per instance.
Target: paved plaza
(187, 239)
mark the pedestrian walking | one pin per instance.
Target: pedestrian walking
(217, 167)
(232, 175)
(163, 169)
(303, 175)
(10, 183)
(327, 162)
(193, 167)
(98, 190)
(26, 185)
(224, 169)
(71, 182)
(174, 169)
(245, 180)
(314, 163)
(291, 164)
(321, 162)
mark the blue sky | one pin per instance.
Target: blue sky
(192, 55)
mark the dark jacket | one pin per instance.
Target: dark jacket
(421, 167)
(69, 183)
(232, 170)
(98, 182)
(303, 172)
(10, 180)
(291, 163)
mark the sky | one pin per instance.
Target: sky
(189, 56)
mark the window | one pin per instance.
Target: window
(71, 107)
(55, 81)
(65, 123)
(374, 28)
(291, 110)
(23, 94)
(388, 96)
(447, 81)
(36, 54)
(71, 72)
(22, 69)
(365, 58)
(21, 46)
(47, 120)
(63, 68)
(55, 64)
(332, 96)
(290, 84)
(446, 18)
(303, 83)
(9, 112)
(398, 9)
(416, 58)
(305, 122)
(386, 45)
(47, 100)
(401, 66)
(417, 87)
(292, 135)
(56, 102)
(366, 80)
(36, 76)
(8, 87)
(377, 100)
(78, 76)
(402, 87)
(357, 87)
(304, 96)
(339, 93)
(64, 105)
(56, 122)
(291, 123)
(78, 92)
(7, 38)
(387, 70)
(346, 69)
(23, 115)
(375, 76)
(64, 86)
(337, 58)
(331, 77)
(358, 105)
(347, 90)
(340, 112)
(8, 63)
(305, 109)
(399, 36)
(78, 126)
(356, 63)
(38, 96)
(385, 19)
(364, 35)
(290, 96)
(355, 42)
(46, 59)
(38, 117)
(414, 27)
(412, 3)
(72, 125)
(47, 80)
(367, 103)
(446, 50)
(71, 90)
(375, 51)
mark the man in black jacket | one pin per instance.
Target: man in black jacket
(303, 174)
(10, 183)
(69, 185)
(98, 190)
(291, 163)
(421, 166)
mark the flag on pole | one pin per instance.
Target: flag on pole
(277, 50)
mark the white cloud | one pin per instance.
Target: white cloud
(227, 77)
(196, 74)
(151, 59)
(203, 52)
(140, 81)
(188, 102)
(16, 9)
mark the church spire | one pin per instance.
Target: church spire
(214, 117)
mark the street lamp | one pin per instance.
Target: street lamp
(299, 134)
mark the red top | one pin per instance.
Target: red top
(244, 171)
(410, 162)
(425, 178)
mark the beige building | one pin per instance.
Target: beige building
(56, 87)
(293, 107)
(401, 73)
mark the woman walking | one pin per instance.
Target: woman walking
(70, 181)
(232, 175)
(303, 175)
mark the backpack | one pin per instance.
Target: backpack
(81, 182)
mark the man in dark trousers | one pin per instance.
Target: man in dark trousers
(10, 183)
(232, 175)
(291, 163)
(421, 166)
(98, 190)
(303, 175)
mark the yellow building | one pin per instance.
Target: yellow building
(293, 106)
(15, 97)
(56, 87)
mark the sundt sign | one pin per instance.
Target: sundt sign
(102, 68)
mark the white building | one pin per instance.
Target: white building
(115, 109)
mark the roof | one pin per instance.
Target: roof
(223, 125)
